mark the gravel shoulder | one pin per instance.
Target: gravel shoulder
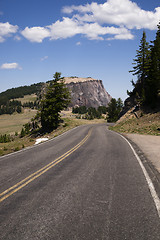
(150, 146)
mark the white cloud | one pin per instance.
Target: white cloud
(58, 30)
(44, 58)
(6, 29)
(118, 12)
(67, 9)
(112, 20)
(80, 8)
(95, 32)
(70, 27)
(35, 34)
(78, 43)
(17, 38)
(10, 66)
(64, 29)
(120, 34)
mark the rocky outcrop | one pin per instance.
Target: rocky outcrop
(87, 92)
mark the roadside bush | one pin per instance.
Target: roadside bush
(5, 138)
(16, 149)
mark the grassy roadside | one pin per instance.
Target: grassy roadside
(148, 124)
(20, 143)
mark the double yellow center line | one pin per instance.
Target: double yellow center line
(41, 171)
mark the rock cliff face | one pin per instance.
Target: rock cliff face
(87, 92)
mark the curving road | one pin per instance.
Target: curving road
(85, 184)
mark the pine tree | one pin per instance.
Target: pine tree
(114, 109)
(141, 69)
(153, 90)
(56, 99)
(22, 134)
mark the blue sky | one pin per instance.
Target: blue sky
(81, 38)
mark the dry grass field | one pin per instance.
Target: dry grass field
(9, 124)
(27, 98)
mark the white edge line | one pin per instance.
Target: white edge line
(34, 146)
(148, 179)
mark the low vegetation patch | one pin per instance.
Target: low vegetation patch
(15, 145)
(5, 138)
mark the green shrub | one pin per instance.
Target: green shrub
(5, 138)
(16, 149)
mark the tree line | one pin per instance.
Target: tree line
(16, 106)
(11, 107)
(90, 112)
(146, 89)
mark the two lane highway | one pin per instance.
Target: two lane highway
(85, 184)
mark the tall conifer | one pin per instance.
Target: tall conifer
(153, 90)
(56, 99)
(141, 69)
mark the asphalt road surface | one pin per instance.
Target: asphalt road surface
(85, 184)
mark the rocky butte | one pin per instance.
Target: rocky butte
(87, 92)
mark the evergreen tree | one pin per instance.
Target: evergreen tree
(5, 138)
(56, 99)
(19, 110)
(93, 113)
(141, 69)
(80, 110)
(114, 109)
(102, 109)
(119, 105)
(153, 90)
(22, 134)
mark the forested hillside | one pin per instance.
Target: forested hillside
(19, 92)
(9, 106)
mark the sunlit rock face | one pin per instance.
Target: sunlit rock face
(87, 92)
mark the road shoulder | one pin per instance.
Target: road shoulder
(147, 147)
